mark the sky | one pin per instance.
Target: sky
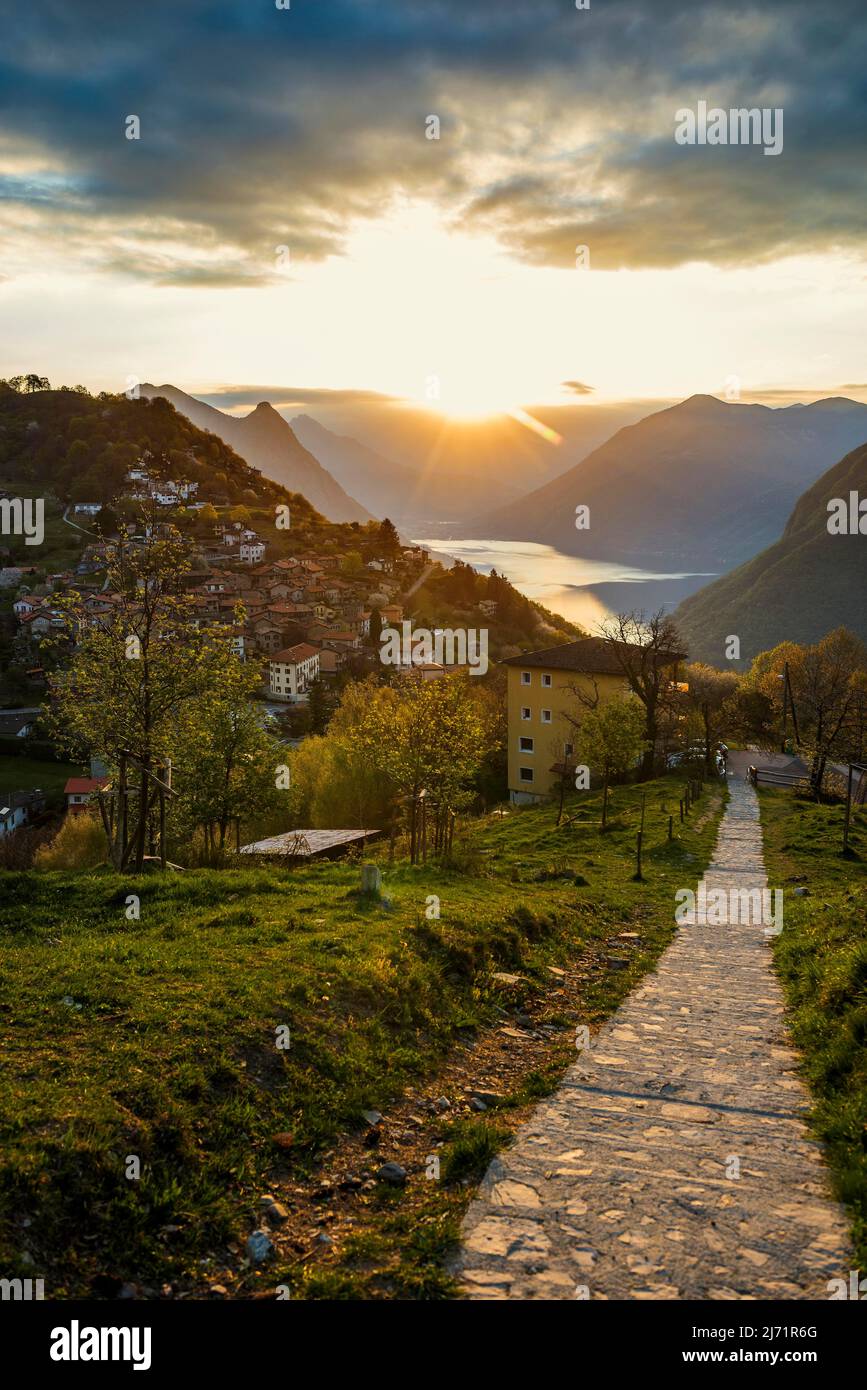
(284, 221)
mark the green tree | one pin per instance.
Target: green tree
(610, 739)
(426, 737)
(228, 760)
(132, 673)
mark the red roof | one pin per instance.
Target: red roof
(76, 786)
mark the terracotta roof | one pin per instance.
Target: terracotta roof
(593, 655)
(302, 651)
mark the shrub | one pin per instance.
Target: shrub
(78, 844)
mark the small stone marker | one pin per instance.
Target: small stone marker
(371, 880)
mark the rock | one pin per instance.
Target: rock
(477, 1104)
(284, 1140)
(392, 1173)
(502, 978)
(266, 1199)
(259, 1246)
(487, 1097)
(218, 1291)
(617, 962)
(324, 1238)
(276, 1214)
(351, 1184)
(372, 1117)
(801, 892)
(442, 1104)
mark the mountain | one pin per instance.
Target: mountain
(379, 483)
(800, 588)
(701, 485)
(268, 443)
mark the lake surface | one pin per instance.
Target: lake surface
(584, 591)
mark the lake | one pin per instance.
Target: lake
(584, 591)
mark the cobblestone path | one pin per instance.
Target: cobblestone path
(622, 1185)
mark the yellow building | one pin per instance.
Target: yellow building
(540, 690)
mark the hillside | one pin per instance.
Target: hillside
(268, 443)
(798, 589)
(156, 1037)
(704, 484)
(80, 447)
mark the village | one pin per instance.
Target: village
(307, 620)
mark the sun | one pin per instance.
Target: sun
(466, 399)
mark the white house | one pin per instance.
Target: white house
(22, 606)
(292, 671)
(18, 808)
(252, 552)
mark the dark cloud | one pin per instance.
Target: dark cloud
(262, 127)
(293, 397)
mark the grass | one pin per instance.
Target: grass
(821, 956)
(62, 544)
(25, 774)
(156, 1037)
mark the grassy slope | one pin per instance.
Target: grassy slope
(24, 774)
(822, 958)
(167, 1048)
(62, 546)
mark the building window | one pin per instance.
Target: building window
(546, 679)
(568, 750)
(525, 745)
(546, 716)
(525, 677)
(525, 774)
(525, 711)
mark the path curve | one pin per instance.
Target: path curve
(623, 1184)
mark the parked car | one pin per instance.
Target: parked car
(695, 752)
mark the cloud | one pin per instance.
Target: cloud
(578, 388)
(262, 127)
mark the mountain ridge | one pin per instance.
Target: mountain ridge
(267, 442)
(701, 484)
(787, 591)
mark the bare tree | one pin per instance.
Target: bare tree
(644, 650)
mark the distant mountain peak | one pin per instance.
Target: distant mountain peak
(266, 440)
(703, 402)
(833, 403)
